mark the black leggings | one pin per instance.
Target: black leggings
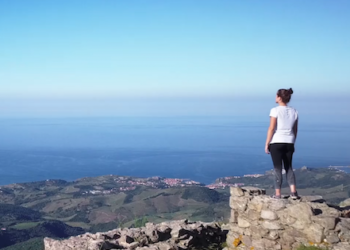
(282, 152)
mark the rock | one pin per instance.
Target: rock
(345, 203)
(133, 245)
(258, 232)
(233, 240)
(315, 233)
(225, 226)
(175, 232)
(327, 222)
(300, 224)
(324, 209)
(167, 246)
(171, 235)
(343, 231)
(268, 215)
(253, 190)
(272, 225)
(277, 204)
(152, 247)
(108, 245)
(301, 211)
(344, 235)
(342, 246)
(312, 198)
(345, 212)
(243, 222)
(302, 240)
(285, 218)
(273, 235)
(253, 214)
(185, 243)
(125, 240)
(239, 203)
(236, 191)
(80, 242)
(257, 204)
(264, 244)
(287, 240)
(332, 239)
(234, 216)
(345, 222)
(293, 233)
(236, 229)
(247, 241)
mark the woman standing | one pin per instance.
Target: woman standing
(280, 140)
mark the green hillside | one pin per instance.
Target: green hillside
(60, 209)
(32, 244)
(54, 229)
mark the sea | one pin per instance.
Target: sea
(201, 148)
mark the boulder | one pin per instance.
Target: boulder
(268, 215)
(345, 203)
(253, 191)
(236, 191)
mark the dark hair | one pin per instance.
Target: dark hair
(285, 94)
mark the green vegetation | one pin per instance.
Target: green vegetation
(201, 194)
(104, 227)
(9, 212)
(53, 229)
(140, 222)
(205, 212)
(128, 198)
(32, 244)
(25, 225)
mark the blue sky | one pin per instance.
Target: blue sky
(179, 57)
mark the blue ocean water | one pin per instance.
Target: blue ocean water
(198, 148)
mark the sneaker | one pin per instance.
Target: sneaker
(275, 196)
(294, 196)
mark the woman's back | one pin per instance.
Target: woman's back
(286, 118)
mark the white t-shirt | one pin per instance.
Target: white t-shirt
(286, 118)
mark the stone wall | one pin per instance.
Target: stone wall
(171, 235)
(259, 222)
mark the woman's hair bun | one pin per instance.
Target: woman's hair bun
(290, 91)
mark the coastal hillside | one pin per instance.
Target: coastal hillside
(101, 204)
(104, 203)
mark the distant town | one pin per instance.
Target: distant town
(110, 184)
(131, 183)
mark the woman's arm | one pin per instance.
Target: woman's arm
(295, 129)
(270, 132)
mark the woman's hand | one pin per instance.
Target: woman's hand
(270, 132)
(267, 151)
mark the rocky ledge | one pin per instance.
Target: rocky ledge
(262, 223)
(171, 235)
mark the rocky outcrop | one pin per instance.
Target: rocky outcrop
(345, 203)
(172, 235)
(259, 222)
